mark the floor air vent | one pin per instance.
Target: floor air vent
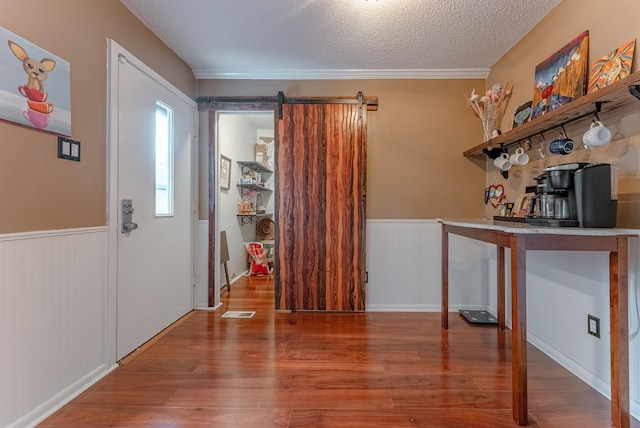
(238, 314)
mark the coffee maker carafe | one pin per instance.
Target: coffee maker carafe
(573, 195)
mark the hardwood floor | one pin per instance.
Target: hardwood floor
(328, 370)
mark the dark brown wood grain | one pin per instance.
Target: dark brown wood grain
(213, 187)
(519, 244)
(321, 208)
(318, 369)
(610, 97)
(444, 309)
(519, 328)
(619, 324)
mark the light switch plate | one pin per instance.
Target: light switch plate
(68, 149)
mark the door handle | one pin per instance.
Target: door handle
(127, 216)
(128, 227)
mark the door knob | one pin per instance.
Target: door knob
(128, 227)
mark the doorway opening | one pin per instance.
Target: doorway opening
(245, 201)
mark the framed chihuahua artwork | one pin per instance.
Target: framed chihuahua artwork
(35, 86)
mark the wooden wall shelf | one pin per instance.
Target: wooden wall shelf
(610, 97)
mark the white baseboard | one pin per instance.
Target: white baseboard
(590, 379)
(403, 308)
(51, 406)
(209, 308)
(423, 308)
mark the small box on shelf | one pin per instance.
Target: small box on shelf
(261, 154)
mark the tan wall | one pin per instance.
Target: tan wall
(415, 142)
(38, 191)
(415, 167)
(610, 24)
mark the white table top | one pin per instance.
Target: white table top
(516, 227)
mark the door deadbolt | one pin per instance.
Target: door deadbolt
(127, 216)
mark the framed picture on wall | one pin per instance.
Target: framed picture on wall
(35, 85)
(225, 172)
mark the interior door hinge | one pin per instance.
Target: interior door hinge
(366, 277)
(360, 104)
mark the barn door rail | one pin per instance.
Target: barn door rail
(244, 103)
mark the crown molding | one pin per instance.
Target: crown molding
(443, 73)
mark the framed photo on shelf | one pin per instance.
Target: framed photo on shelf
(522, 114)
(561, 78)
(611, 67)
(225, 172)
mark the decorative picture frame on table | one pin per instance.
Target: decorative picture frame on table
(522, 114)
(225, 172)
(614, 66)
(561, 78)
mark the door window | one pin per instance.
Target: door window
(164, 160)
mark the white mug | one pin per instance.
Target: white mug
(596, 135)
(519, 157)
(502, 162)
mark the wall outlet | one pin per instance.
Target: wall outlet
(593, 327)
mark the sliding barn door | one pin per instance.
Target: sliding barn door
(320, 227)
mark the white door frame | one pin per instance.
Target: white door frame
(116, 53)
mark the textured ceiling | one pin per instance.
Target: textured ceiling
(307, 39)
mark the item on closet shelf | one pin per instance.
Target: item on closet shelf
(260, 208)
(245, 207)
(265, 229)
(596, 135)
(261, 153)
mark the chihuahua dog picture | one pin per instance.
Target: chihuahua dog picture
(36, 70)
(42, 98)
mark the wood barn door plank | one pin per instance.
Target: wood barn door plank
(321, 208)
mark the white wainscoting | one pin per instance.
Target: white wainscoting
(53, 314)
(563, 287)
(404, 267)
(403, 261)
(202, 271)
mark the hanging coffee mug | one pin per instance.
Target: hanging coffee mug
(561, 146)
(502, 162)
(519, 157)
(597, 135)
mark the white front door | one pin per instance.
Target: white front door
(154, 267)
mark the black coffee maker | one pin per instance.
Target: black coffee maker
(574, 195)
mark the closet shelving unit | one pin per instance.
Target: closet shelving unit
(247, 167)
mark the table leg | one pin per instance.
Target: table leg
(501, 285)
(519, 328)
(618, 299)
(445, 279)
